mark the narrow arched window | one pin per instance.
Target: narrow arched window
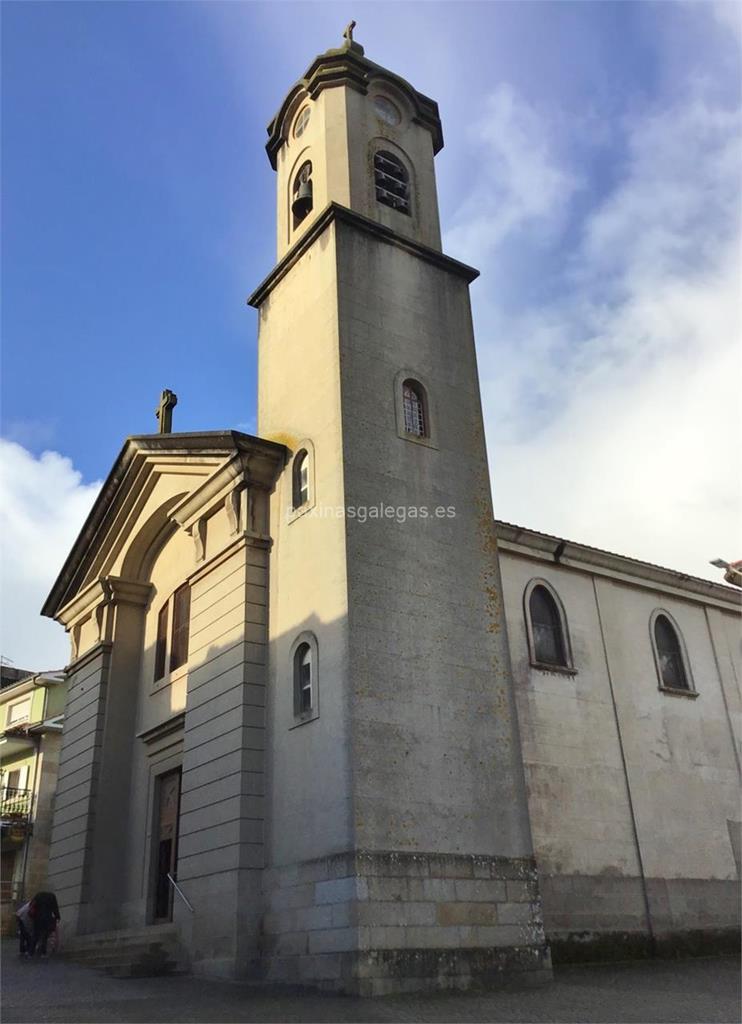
(300, 479)
(302, 193)
(303, 682)
(413, 404)
(548, 640)
(392, 181)
(670, 662)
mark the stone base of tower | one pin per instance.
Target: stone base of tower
(374, 924)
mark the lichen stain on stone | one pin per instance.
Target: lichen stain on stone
(290, 440)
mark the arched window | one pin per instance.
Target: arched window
(303, 681)
(546, 627)
(392, 181)
(669, 654)
(413, 404)
(300, 479)
(302, 193)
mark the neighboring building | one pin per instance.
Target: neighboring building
(290, 689)
(627, 679)
(31, 715)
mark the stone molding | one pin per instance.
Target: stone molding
(541, 547)
(335, 212)
(347, 66)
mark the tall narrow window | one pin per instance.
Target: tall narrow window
(161, 642)
(414, 409)
(548, 641)
(303, 679)
(392, 181)
(181, 623)
(669, 655)
(300, 479)
(302, 198)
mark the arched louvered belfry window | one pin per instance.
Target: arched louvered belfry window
(392, 181)
(413, 404)
(300, 479)
(669, 653)
(547, 632)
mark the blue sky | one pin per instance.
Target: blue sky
(589, 171)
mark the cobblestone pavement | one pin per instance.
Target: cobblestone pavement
(696, 991)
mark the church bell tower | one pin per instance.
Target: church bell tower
(398, 843)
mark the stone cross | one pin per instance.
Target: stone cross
(348, 33)
(164, 411)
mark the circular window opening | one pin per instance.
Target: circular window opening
(386, 110)
(301, 122)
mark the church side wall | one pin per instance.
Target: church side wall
(77, 784)
(299, 406)
(680, 778)
(437, 782)
(308, 759)
(221, 851)
(435, 737)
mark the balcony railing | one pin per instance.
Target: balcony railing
(15, 806)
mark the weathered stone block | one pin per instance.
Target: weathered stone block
(518, 913)
(333, 940)
(476, 890)
(521, 891)
(396, 913)
(466, 913)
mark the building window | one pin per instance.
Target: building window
(300, 479)
(669, 655)
(303, 679)
(161, 643)
(19, 712)
(392, 181)
(176, 611)
(413, 404)
(546, 626)
(301, 122)
(387, 111)
(181, 623)
(302, 193)
(304, 668)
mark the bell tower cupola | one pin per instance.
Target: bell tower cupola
(353, 133)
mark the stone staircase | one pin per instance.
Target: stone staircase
(134, 953)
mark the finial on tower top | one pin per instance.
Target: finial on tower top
(164, 411)
(350, 43)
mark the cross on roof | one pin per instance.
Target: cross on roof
(164, 411)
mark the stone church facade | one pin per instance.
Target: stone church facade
(291, 730)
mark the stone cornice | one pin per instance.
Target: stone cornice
(101, 647)
(163, 729)
(347, 66)
(542, 547)
(255, 468)
(335, 212)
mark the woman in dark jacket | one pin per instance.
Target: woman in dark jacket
(45, 915)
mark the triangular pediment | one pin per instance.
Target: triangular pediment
(154, 475)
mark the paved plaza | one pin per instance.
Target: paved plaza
(706, 990)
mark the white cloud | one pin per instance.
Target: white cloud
(520, 182)
(43, 504)
(612, 410)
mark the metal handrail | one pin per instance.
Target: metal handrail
(180, 892)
